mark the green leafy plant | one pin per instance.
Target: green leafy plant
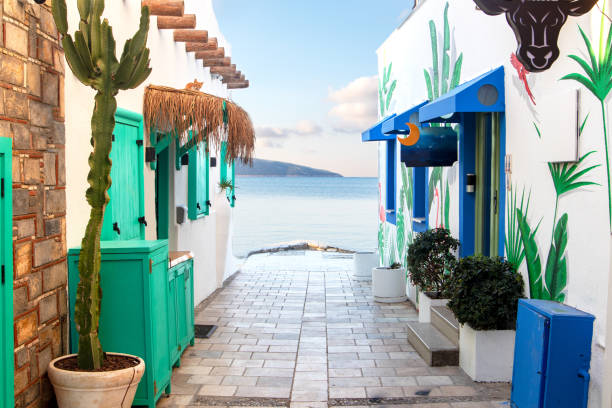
(515, 253)
(226, 185)
(598, 81)
(430, 260)
(91, 57)
(385, 90)
(395, 265)
(549, 285)
(484, 293)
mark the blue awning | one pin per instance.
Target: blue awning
(397, 125)
(482, 94)
(374, 134)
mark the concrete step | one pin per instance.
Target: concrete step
(433, 346)
(445, 321)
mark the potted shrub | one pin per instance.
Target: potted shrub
(431, 258)
(389, 283)
(94, 378)
(484, 294)
(363, 263)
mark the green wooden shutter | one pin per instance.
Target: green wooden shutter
(198, 177)
(7, 396)
(227, 173)
(126, 205)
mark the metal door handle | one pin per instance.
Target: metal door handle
(198, 206)
(208, 203)
(116, 228)
(143, 220)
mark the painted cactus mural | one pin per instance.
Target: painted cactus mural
(385, 90)
(598, 81)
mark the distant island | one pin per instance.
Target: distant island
(270, 168)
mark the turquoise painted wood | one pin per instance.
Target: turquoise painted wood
(198, 197)
(126, 206)
(180, 309)
(7, 397)
(134, 316)
(227, 172)
(162, 193)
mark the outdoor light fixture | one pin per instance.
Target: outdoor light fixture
(470, 183)
(213, 162)
(150, 154)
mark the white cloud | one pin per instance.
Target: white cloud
(355, 105)
(274, 136)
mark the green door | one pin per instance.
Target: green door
(486, 228)
(6, 284)
(124, 217)
(173, 336)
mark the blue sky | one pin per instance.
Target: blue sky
(312, 67)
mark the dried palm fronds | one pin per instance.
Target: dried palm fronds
(175, 111)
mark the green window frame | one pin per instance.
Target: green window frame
(227, 172)
(198, 190)
(7, 368)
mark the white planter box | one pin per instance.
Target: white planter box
(389, 285)
(486, 355)
(363, 262)
(425, 305)
(412, 293)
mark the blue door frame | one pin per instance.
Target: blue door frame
(467, 165)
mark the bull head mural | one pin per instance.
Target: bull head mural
(536, 25)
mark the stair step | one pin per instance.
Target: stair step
(445, 321)
(433, 346)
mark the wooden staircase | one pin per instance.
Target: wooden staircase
(436, 342)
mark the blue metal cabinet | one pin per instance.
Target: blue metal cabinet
(552, 356)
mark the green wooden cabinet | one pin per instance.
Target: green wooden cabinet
(135, 316)
(7, 380)
(180, 309)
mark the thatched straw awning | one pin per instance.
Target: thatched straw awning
(177, 110)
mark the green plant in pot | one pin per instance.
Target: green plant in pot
(484, 293)
(226, 185)
(430, 260)
(91, 57)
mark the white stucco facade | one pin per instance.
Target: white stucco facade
(487, 42)
(173, 67)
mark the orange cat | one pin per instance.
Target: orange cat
(194, 86)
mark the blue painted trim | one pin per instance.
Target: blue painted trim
(502, 184)
(420, 199)
(374, 134)
(397, 124)
(464, 98)
(391, 182)
(467, 165)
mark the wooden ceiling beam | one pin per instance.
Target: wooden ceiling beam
(212, 54)
(223, 70)
(238, 85)
(207, 46)
(187, 21)
(233, 77)
(218, 62)
(191, 36)
(174, 8)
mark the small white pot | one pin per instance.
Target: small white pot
(107, 389)
(486, 355)
(425, 305)
(389, 285)
(363, 262)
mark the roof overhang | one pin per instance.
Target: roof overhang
(375, 134)
(398, 124)
(484, 93)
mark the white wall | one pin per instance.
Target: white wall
(173, 67)
(487, 42)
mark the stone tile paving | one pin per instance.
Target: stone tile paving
(295, 330)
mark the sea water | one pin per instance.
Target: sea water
(335, 211)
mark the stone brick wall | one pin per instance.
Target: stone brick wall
(32, 114)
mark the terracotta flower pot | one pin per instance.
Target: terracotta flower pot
(100, 389)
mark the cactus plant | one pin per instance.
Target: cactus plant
(91, 57)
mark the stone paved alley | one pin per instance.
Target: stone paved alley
(296, 330)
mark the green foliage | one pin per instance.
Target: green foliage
(484, 293)
(537, 130)
(438, 83)
(430, 258)
(226, 185)
(91, 57)
(565, 175)
(598, 81)
(556, 264)
(385, 90)
(514, 247)
(532, 255)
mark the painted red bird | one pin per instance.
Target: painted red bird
(522, 74)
